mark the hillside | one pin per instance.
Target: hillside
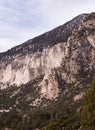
(42, 81)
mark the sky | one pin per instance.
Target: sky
(21, 20)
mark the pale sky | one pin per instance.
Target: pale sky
(21, 20)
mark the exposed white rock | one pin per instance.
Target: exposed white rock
(7, 74)
(23, 69)
(78, 97)
(4, 110)
(49, 86)
(91, 39)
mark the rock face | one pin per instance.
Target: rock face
(65, 54)
(25, 68)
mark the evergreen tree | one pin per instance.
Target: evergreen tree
(87, 112)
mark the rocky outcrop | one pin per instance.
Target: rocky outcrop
(65, 54)
(25, 68)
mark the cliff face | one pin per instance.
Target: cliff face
(36, 57)
(58, 65)
(25, 68)
(66, 53)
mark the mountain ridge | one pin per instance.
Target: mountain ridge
(44, 88)
(67, 30)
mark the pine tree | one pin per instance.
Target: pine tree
(87, 112)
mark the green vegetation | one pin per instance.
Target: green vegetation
(58, 114)
(87, 112)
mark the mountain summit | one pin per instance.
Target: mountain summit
(57, 66)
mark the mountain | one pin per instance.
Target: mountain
(36, 57)
(43, 80)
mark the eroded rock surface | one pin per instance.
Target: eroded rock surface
(66, 53)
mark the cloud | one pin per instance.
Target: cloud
(21, 20)
(59, 11)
